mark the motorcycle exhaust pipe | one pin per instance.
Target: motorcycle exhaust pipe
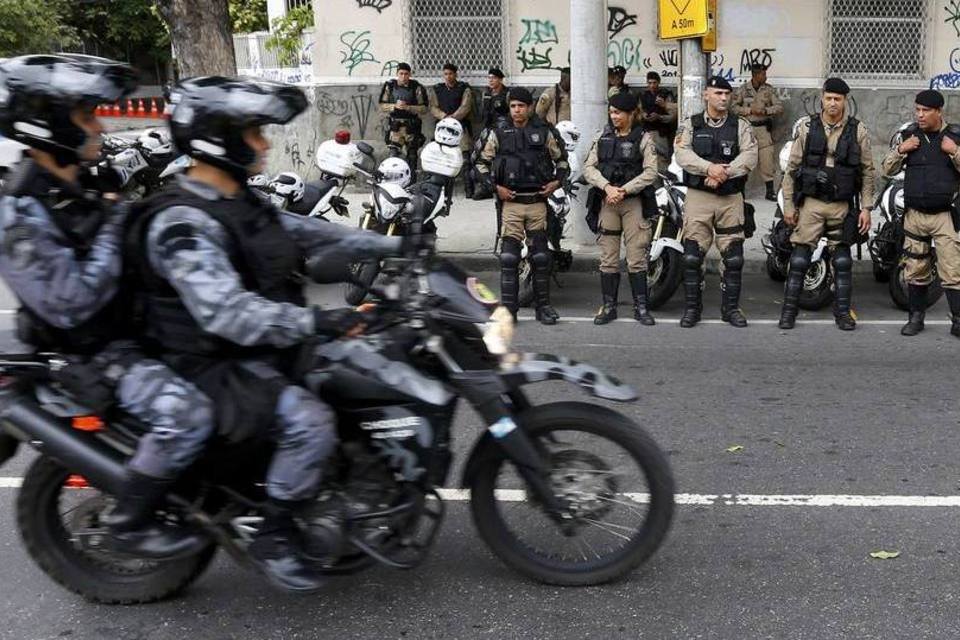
(79, 452)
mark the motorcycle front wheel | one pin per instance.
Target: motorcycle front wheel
(354, 293)
(663, 278)
(817, 289)
(612, 477)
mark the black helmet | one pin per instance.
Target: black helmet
(210, 114)
(39, 92)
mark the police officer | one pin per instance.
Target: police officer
(927, 152)
(404, 101)
(526, 161)
(217, 276)
(830, 169)
(716, 151)
(453, 98)
(495, 107)
(757, 102)
(615, 81)
(61, 254)
(553, 106)
(658, 114)
(623, 162)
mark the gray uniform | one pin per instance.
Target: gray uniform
(65, 289)
(191, 250)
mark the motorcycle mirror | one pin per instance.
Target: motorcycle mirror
(365, 148)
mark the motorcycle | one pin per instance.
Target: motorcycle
(566, 493)
(288, 192)
(665, 262)
(143, 165)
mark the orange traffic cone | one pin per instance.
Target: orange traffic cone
(141, 110)
(116, 110)
(131, 112)
(154, 113)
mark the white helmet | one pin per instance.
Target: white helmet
(448, 132)
(394, 170)
(288, 185)
(256, 181)
(156, 141)
(570, 134)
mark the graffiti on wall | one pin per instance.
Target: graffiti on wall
(951, 79)
(750, 57)
(618, 19)
(379, 5)
(357, 50)
(953, 15)
(362, 105)
(532, 50)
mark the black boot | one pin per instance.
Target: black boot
(638, 286)
(509, 276)
(799, 263)
(730, 286)
(277, 554)
(843, 281)
(135, 531)
(953, 299)
(540, 261)
(771, 194)
(692, 284)
(609, 288)
(918, 310)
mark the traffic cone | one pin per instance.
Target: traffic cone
(141, 110)
(116, 110)
(131, 112)
(154, 113)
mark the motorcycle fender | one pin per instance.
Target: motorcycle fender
(8, 447)
(664, 243)
(539, 367)
(818, 252)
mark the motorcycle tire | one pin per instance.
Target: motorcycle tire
(774, 270)
(95, 574)
(880, 274)
(354, 293)
(525, 288)
(899, 293)
(817, 290)
(543, 423)
(664, 279)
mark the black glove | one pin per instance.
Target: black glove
(336, 322)
(417, 243)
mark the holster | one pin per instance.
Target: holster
(648, 201)
(851, 227)
(749, 221)
(955, 214)
(594, 204)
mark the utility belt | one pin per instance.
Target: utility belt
(528, 198)
(820, 184)
(412, 124)
(766, 124)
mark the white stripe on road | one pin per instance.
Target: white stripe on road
(710, 500)
(761, 321)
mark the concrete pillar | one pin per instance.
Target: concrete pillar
(588, 86)
(693, 77)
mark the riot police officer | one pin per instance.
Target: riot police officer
(404, 101)
(453, 98)
(829, 171)
(525, 160)
(658, 113)
(495, 108)
(622, 163)
(929, 155)
(716, 151)
(756, 101)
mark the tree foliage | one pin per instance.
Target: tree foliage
(248, 15)
(34, 26)
(287, 30)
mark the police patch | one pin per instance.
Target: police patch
(481, 292)
(535, 138)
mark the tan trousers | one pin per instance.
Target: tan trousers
(624, 221)
(817, 218)
(767, 167)
(917, 264)
(706, 214)
(520, 218)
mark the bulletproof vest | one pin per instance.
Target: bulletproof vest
(409, 94)
(523, 160)
(719, 145)
(78, 214)
(840, 182)
(495, 107)
(931, 179)
(620, 158)
(449, 99)
(648, 104)
(261, 251)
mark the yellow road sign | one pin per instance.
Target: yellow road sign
(683, 19)
(709, 41)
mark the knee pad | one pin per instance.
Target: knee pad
(539, 250)
(733, 257)
(842, 260)
(691, 254)
(510, 253)
(800, 258)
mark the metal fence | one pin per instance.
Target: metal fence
(877, 41)
(467, 33)
(252, 53)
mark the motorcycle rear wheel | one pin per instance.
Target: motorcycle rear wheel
(900, 294)
(663, 278)
(70, 545)
(592, 488)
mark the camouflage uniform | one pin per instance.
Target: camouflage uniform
(191, 250)
(553, 106)
(743, 101)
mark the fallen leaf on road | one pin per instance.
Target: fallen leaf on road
(734, 449)
(884, 555)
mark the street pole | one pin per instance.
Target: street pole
(588, 86)
(693, 77)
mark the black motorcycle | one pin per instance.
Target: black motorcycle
(567, 493)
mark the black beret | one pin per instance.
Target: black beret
(930, 98)
(619, 70)
(836, 85)
(757, 66)
(450, 67)
(624, 101)
(653, 75)
(495, 72)
(403, 66)
(719, 82)
(520, 94)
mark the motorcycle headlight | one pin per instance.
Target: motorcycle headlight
(498, 332)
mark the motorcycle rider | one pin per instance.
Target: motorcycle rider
(222, 300)
(716, 151)
(526, 161)
(404, 101)
(928, 153)
(623, 162)
(830, 168)
(60, 253)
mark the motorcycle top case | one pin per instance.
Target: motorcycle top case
(441, 159)
(338, 159)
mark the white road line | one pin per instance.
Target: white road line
(760, 321)
(711, 499)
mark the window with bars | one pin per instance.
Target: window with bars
(293, 4)
(467, 33)
(878, 40)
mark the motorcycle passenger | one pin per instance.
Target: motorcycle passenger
(60, 253)
(526, 161)
(829, 170)
(928, 153)
(622, 163)
(223, 301)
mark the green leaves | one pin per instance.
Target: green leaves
(248, 15)
(286, 35)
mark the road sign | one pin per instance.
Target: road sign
(683, 19)
(709, 41)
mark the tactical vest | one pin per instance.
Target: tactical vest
(449, 100)
(620, 158)
(495, 108)
(80, 222)
(719, 145)
(931, 179)
(841, 182)
(409, 94)
(648, 104)
(523, 160)
(262, 252)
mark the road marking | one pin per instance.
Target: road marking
(761, 321)
(10, 483)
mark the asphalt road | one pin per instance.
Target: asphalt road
(857, 419)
